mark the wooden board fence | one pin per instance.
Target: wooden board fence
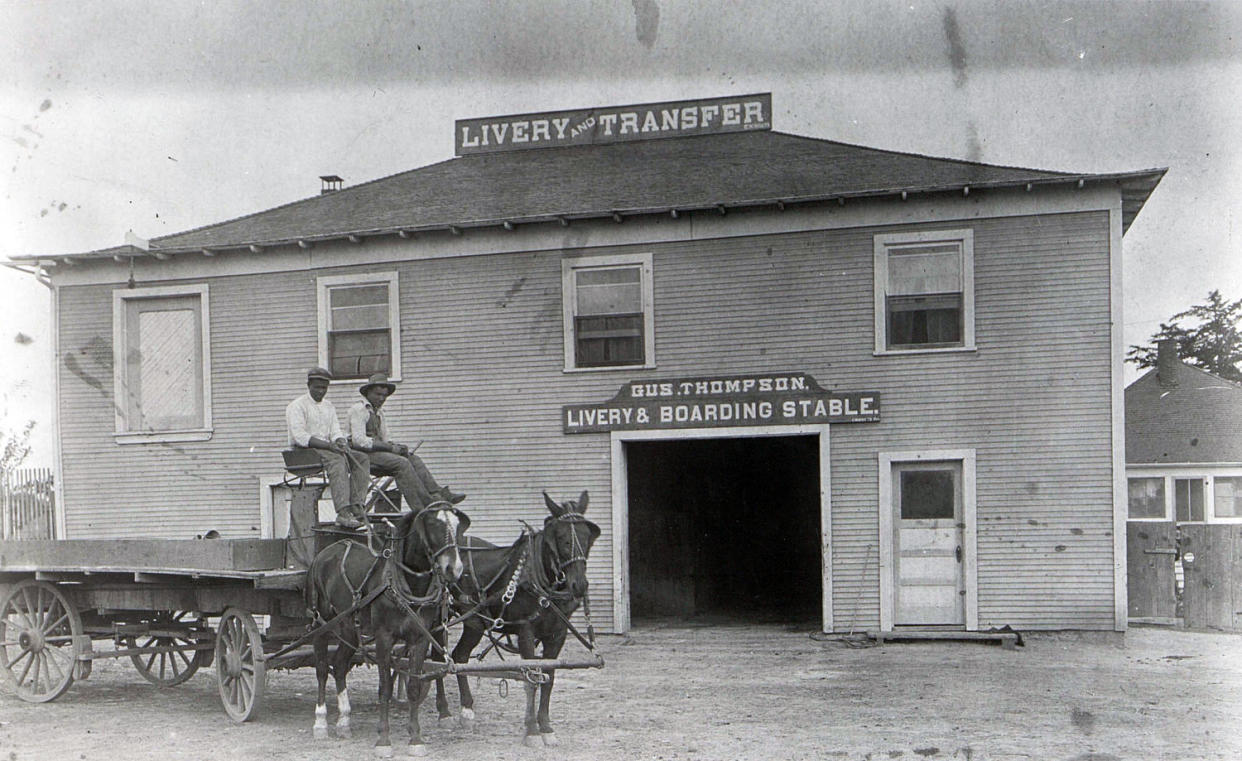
(27, 504)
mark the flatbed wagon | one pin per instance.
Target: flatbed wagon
(171, 607)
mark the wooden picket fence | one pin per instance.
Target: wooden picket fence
(27, 504)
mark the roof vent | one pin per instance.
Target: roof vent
(330, 183)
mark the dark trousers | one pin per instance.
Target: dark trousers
(413, 479)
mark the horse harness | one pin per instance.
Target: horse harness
(532, 570)
(393, 573)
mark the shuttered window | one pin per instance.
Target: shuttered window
(608, 312)
(924, 291)
(358, 316)
(162, 364)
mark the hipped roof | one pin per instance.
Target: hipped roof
(618, 180)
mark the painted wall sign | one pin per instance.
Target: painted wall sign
(614, 124)
(733, 400)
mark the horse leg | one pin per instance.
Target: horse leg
(551, 649)
(470, 636)
(320, 730)
(340, 670)
(526, 647)
(417, 689)
(442, 706)
(383, 662)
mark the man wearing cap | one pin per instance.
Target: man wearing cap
(369, 433)
(313, 424)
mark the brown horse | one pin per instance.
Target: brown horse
(529, 590)
(400, 593)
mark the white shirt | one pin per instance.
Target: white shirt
(307, 418)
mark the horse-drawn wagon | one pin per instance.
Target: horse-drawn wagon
(175, 606)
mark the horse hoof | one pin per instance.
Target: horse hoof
(320, 733)
(532, 741)
(344, 732)
(467, 714)
(383, 751)
(417, 751)
(550, 739)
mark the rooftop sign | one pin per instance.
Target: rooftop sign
(734, 400)
(614, 124)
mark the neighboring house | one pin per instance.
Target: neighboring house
(866, 388)
(1183, 444)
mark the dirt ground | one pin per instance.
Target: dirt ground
(689, 693)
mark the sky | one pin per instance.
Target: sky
(158, 117)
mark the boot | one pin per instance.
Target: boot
(449, 496)
(348, 517)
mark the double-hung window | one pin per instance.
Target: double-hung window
(608, 312)
(162, 364)
(359, 325)
(1188, 499)
(924, 291)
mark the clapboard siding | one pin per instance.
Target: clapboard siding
(483, 385)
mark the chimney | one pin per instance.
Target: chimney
(330, 183)
(1166, 362)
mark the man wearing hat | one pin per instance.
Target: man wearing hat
(369, 433)
(313, 424)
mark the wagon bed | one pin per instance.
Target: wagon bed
(171, 606)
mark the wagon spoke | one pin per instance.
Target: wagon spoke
(33, 659)
(31, 612)
(41, 668)
(50, 661)
(59, 621)
(36, 609)
(184, 658)
(13, 663)
(59, 653)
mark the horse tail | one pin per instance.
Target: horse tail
(311, 591)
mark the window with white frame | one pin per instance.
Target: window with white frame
(1146, 498)
(1227, 499)
(924, 291)
(1188, 499)
(162, 363)
(359, 325)
(608, 312)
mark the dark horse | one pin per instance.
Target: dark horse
(401, 589)
(529, 589)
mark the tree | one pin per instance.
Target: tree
(15, 447)
(1213, 344)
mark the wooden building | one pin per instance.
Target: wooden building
(1184, 473)
(798, 377)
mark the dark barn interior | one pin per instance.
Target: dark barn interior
(725, 529)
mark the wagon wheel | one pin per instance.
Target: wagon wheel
(168, 669)
(40, 632)
(240, 669)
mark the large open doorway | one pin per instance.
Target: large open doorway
(725, 529)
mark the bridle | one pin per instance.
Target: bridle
(578, 553)
(450, 539)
